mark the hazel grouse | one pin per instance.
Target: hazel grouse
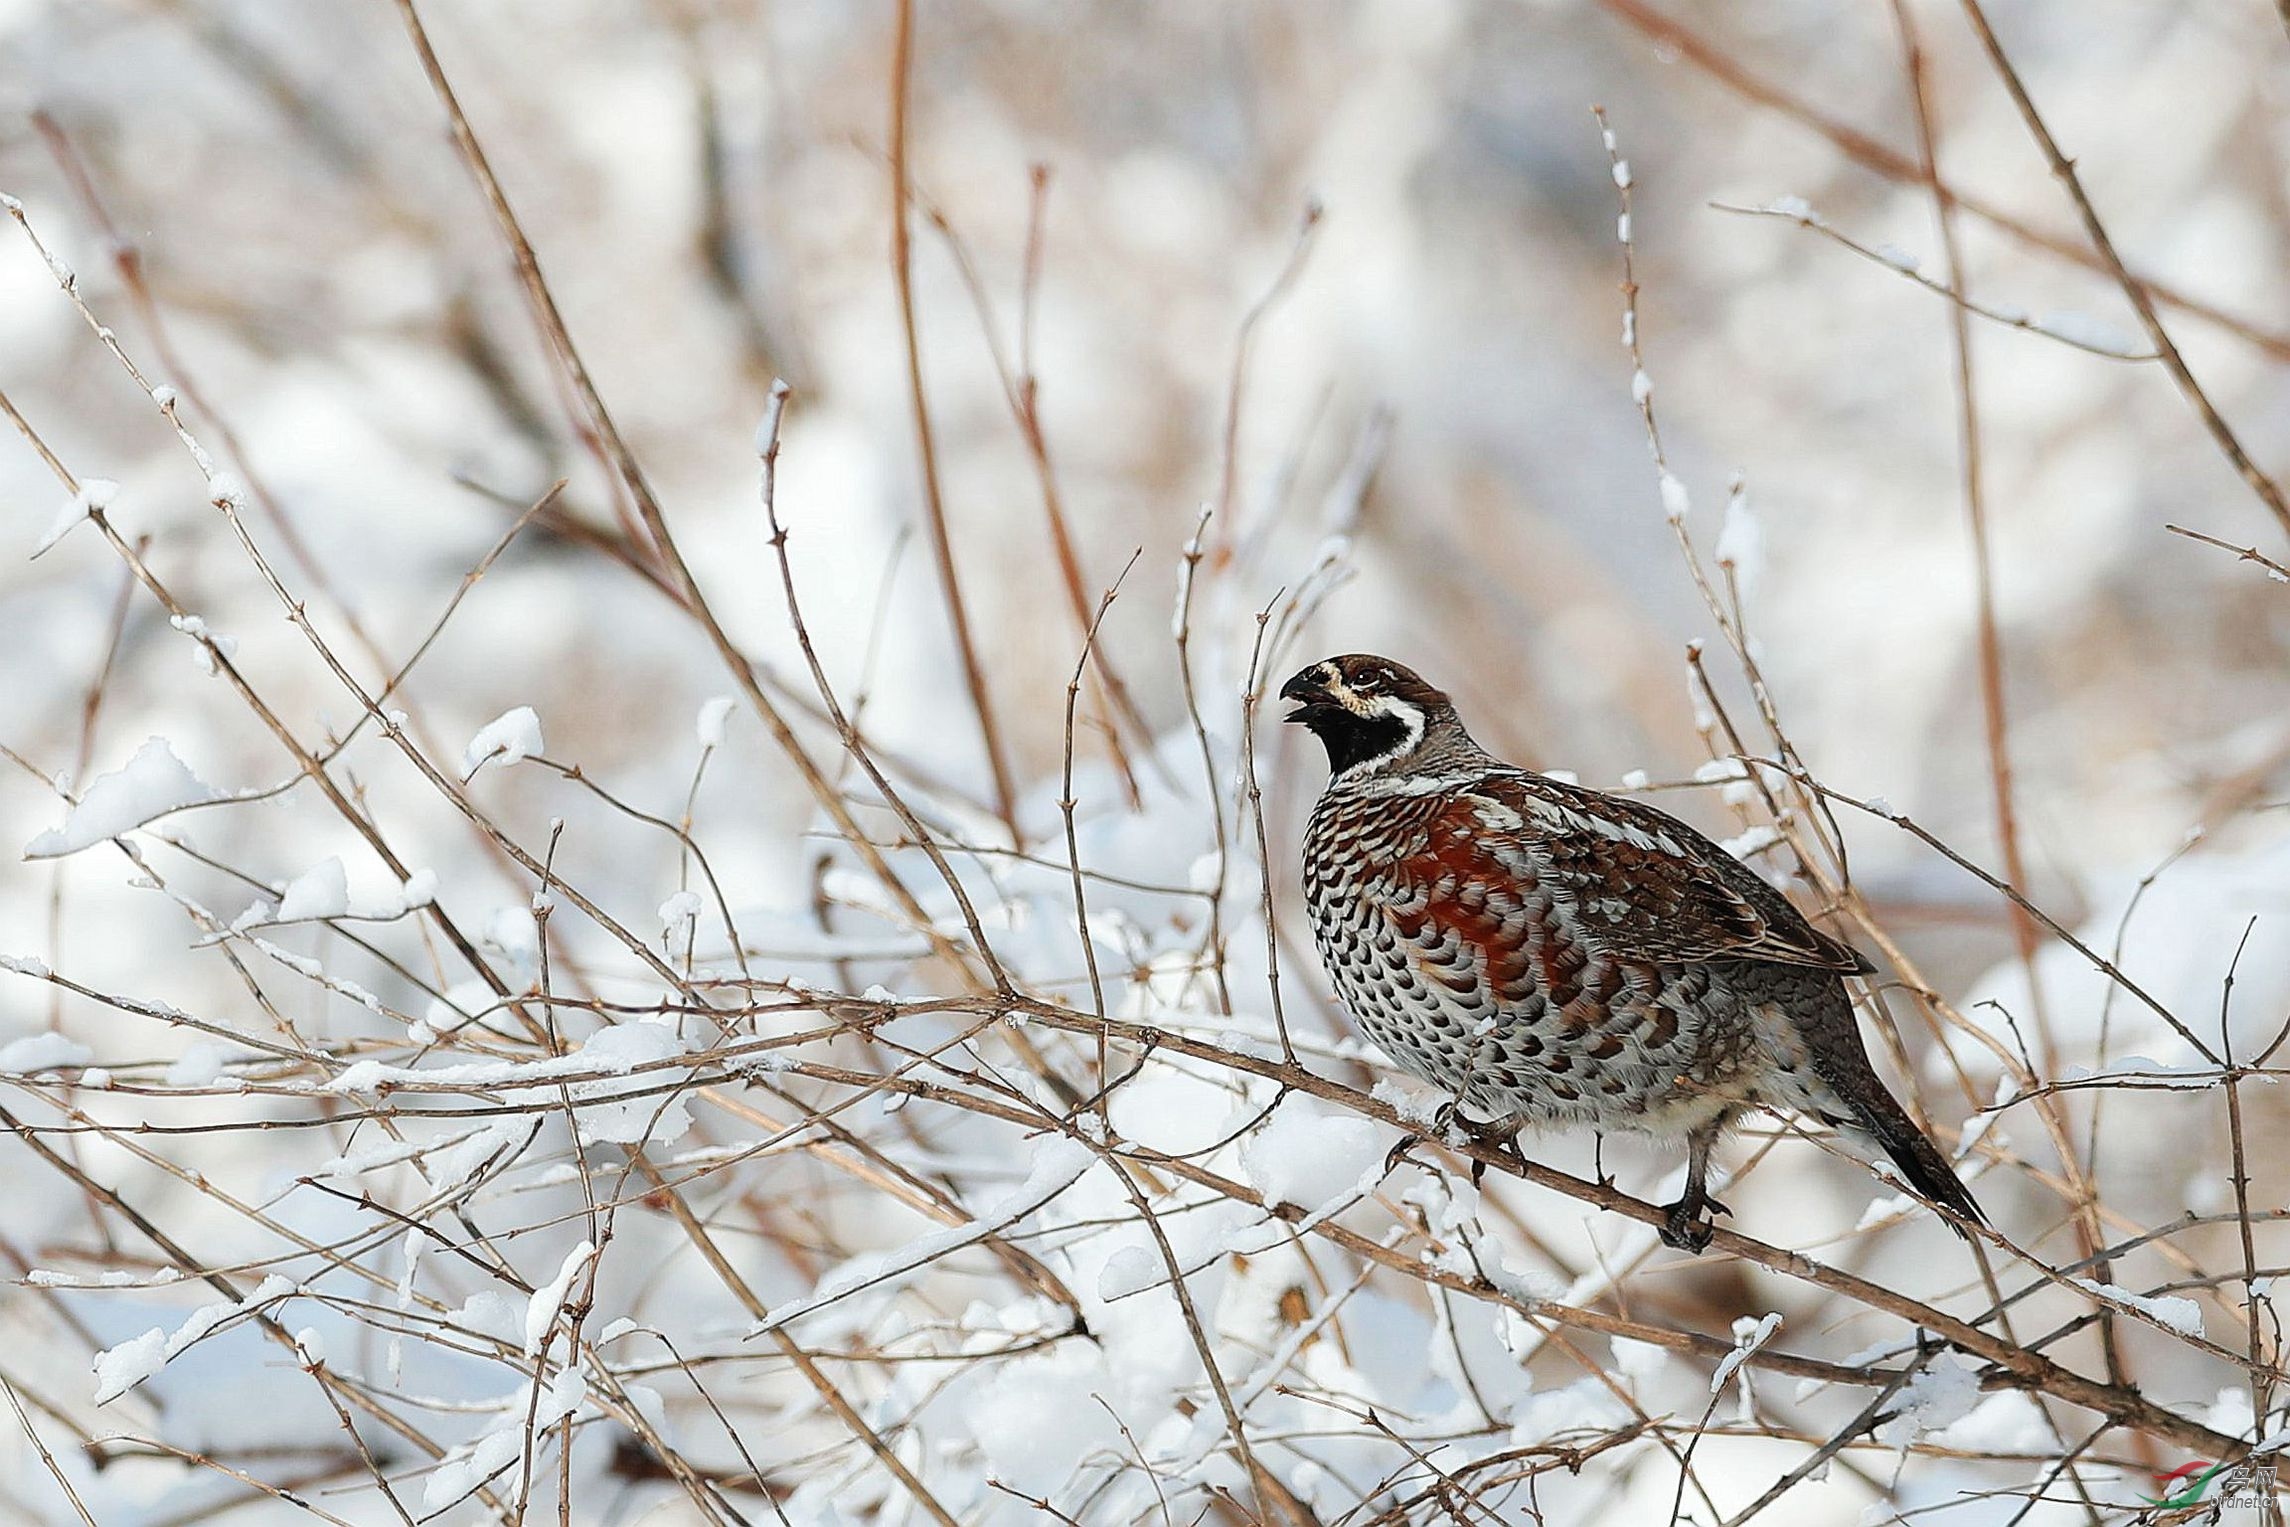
(1553, 955)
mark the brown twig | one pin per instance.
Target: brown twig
(1690, 46)
(1228, 456)
(662, 546)
(1021, 392)
(933, 501)
(2141, 298)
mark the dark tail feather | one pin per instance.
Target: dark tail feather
(1833, 1046)
(1919, 1160)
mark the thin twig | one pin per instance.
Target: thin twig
(933, 500)
(2142, 300)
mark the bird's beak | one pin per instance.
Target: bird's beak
(1309, 693)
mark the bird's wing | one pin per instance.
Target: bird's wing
(1472, 917)
(1641, 884)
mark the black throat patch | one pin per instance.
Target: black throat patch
(1352, 739)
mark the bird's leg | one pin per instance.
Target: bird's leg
(1687, 1226)
(1598, 1159)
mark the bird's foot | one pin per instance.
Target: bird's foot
(1687, 1225)
(1447, 1124)
(1500, 1137)
(1436, 1130)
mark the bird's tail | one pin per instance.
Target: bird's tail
(1858, 1102)
(1920, 1161)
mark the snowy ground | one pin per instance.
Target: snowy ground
(487, 1033)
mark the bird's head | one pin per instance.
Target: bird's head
(1370, 713)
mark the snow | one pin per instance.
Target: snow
(1755, 841)
(1941, 1394)
(464, 1469)
(1314, 1157)
(1130, 1270)
(1419, 1104)
(623, 1047)
(617, 1051)
(26, 965)
(508, 738)
(1675, 502)
(2173, 1313)
(94, 493)
(2088, 332)
(1057, 1164)
(715, 715)
(563, 1397)
(1749, 1334)
(548, 1301)
(209, 644)
(1740, 543)
(2005, 1422)
(121, 1368)
(457, 1163)
(42, 1052)
(201, 1064)
(679, 915)
(1034, 1420)
(370, 1158)
(1640, 1361)
(1636, 779)
(1886, 1208)
(611, 1052)
(2194, 1075)
(322, 891)
(40, 1277)
(151, 784)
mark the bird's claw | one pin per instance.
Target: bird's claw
(1506, 1146)
(1500, 1138)
(1445, 1125)
(1687, 1224)
(1435, 1129)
